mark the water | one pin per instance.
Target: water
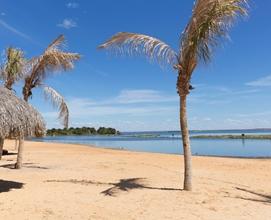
(170, 142)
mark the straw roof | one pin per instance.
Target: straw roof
(18, 118)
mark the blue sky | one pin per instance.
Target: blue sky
(131, 94)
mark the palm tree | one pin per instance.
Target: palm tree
(52, 60)
(38, 68)
(209, 24)
(12, 69)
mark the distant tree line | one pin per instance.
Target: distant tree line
(82, 131)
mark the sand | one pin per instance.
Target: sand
(60, 181)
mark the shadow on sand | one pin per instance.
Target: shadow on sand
(10, 154)
(263, 198)
(25, 165)
(6, 186)
(123, 185)
(7, 153)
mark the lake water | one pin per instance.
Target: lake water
(170, 142)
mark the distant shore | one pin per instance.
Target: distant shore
(242, 136)
(149, 136)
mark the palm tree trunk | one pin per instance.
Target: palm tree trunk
(9, 84)
(16, 144)
(19, 163)
(27, 89)
(186, 145)
(26, 97)
(1, 147)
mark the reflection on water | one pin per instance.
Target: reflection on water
(243, 142)
(168, 143)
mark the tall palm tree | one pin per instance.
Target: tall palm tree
(209, 24)
(52, 60)
(12, 69)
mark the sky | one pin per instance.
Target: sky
(133, 94)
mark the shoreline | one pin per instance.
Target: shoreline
(127, 150)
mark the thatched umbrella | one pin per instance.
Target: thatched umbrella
(18, 119)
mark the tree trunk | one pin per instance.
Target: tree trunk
(26, 90)
(1, 147)
(186, 145)
(26, 97)
(16, 144)
(8, 84)
(19, 163)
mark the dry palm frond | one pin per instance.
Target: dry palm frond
(57, 43)
(210, 22)
(12, 69)
(52, 60)
(58, 102)
(137, 44)
(17, 117)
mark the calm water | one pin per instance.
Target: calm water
(170, 142)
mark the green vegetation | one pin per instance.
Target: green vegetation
(242, 136)
(82, 131)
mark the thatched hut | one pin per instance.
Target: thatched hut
(18, 119)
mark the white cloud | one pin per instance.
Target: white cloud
(14, 30)
(121, 112)
(72, 5)
(219, 95)
(87, 108)
(261, 82)
(146, 109)
(3, 13)
(265, 114)
(67, 24)
(143, 96)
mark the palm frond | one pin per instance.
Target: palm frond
(210, 22)
(58, 102)
(52, 60)
(137, 44)
(12, 68)
(57, 43)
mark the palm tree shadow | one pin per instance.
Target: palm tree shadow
(123, 185)
(130, 184)
(25, 165)
(263, 198)
(6, 186)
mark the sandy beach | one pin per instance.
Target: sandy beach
(60, 181)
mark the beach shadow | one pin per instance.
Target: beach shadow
(263, 198)
(124, 185)
(25, 165)
(4, 152)
(10, 154)
(6, 186)
(129, 184)
(7, 153)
